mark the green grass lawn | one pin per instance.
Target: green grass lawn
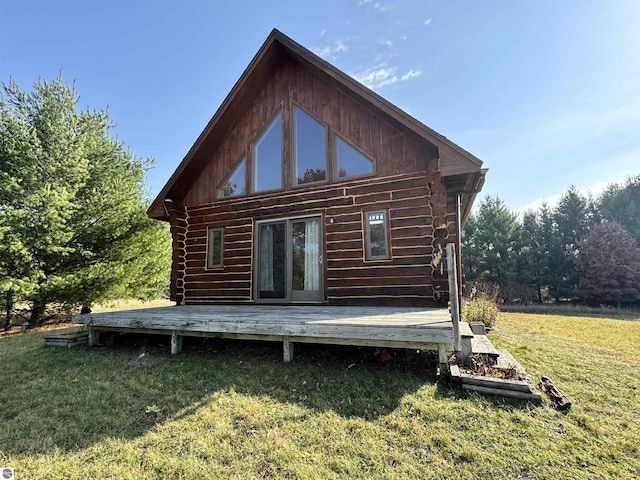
(234, 410)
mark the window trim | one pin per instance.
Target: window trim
(210, 233)
(367, 236)
(328, 157)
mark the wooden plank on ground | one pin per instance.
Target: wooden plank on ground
(532, 397)
(494, 382)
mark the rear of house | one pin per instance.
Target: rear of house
(307, 187)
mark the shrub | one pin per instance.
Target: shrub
(481, 310)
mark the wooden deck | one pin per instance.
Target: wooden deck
(420, 328)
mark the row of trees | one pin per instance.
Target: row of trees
(73, 226)
(584, 249)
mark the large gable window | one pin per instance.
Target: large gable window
(350, 162)
(309, 149)
(235, 183)
(267, 157)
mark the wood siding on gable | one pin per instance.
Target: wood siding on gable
(394, 151)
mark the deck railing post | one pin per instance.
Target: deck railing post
(453, 295)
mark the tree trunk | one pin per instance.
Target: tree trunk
(8, 307)
(37, 314)
(7, 318)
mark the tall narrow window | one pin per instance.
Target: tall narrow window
(267, 157)
(214, 248)
(376, 235)
(309, 149)
(350, 162)
(235, 182)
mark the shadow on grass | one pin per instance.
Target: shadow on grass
(62, 398)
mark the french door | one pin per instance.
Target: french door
(289, 260)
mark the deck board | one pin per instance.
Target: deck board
(375, 326)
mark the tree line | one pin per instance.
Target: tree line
(584, 250)
(73, 223)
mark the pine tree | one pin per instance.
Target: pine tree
(72, 214)
(488, 242)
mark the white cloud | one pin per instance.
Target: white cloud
(534, 205)
(331, 51)
(594, 190)
(383, 76)
(427, 22)
(378, 6)
(410, 74)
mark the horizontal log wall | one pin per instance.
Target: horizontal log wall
(418, 233)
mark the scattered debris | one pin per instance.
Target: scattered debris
(478, 365)
(152, 409)
(486, 383)
(558, 399)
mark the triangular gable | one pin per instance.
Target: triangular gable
(454, 161)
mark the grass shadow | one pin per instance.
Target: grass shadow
(67, 399)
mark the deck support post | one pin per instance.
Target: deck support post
(443, 358)
(287, 348)
(453, 295)
(94, 337)
(176, 343)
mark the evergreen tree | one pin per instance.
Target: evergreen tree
(529, 267)
(572, 218)
(488, 242)
(72, 217)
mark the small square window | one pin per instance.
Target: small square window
(377, 235)
(214, 248)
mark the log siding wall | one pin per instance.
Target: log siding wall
(407, 184)
(418, 232)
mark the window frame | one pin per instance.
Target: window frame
(368, 257)
(336, 165)
(293, 145)
(243, 158)
(211, 231)
(253, 150)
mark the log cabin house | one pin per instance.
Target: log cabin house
(310, 209)
(307, 187)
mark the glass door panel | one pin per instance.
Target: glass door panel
(272, 256)
(306, 260)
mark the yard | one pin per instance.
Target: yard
(224, 409)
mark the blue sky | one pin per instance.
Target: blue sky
(545, 92)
